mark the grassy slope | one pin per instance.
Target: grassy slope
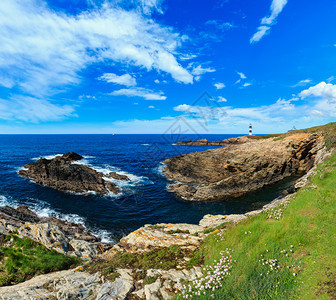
(21, 259)
(328, 130)
(308, 224)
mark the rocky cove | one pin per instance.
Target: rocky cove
(119, 271)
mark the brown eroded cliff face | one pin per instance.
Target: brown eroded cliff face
(239, 168)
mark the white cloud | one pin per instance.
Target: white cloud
(157, 81)
(302, 82)
(219, 85)
(241, 75)
(140, 92)
(151, 106)
(261, 32)
(125, 79)
(42, 49)
(221, 99)
(323, 90)
(266, 23)
(34, 110)
(246, 84)
(199, 70)
(276, 117)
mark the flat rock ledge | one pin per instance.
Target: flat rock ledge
(65, 174)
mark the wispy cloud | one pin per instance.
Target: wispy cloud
(140, 92)
(30, 109)
(246, 84)
(221, 25)
(303, 82)
(125, 79)
(267, 22)
(200, 70)
(317, 106)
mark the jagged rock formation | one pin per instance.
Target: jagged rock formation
(63, 174)
(243, 166)
(64, 237)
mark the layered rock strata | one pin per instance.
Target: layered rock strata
(241, 167)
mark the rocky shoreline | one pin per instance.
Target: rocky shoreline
(83, 284)
(65, 174)
(168, 249)
(244, 165)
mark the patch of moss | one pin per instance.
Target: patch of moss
(178, 231)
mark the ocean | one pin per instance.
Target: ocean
(144, 200)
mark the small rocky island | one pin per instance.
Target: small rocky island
(245, 165)
(64, 174)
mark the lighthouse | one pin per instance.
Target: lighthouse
(250, 129)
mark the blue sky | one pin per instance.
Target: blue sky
(139, 66)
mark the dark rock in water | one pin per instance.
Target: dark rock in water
(64, 175)
(72, 156)
(117, 176)
(243, 166)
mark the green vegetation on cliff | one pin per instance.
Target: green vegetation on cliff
(287, 253)
(21, 259)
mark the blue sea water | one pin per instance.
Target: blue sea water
(143, 200)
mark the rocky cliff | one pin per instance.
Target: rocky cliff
(243, 166)
(62, 173)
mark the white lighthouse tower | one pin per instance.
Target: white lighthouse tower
(250, 129)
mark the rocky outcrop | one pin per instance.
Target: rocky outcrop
(62, 173)
(160, 235)
(226, 142)
(64, 237)
(242, 167)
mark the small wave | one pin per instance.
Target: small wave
(159, 169)
(52, 156)
(104, 235)
(5, 201)
(145, 144)
(107, 169)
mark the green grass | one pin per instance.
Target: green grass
(161, 258)
(21, 259)
(308, 224)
